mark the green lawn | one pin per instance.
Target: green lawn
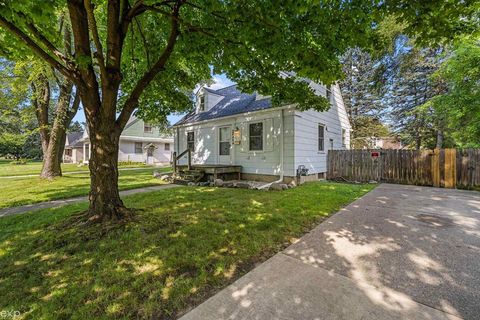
(34, 167)
(184, 245)
(21, 191)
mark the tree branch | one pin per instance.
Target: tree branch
(96, 39)
(75, 105)
(132, 101)
(29, 42)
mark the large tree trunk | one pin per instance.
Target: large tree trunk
(105, 202)
(41, 102)
(52, 159)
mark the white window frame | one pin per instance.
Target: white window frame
(323, 138)
(193, 132)
(165, 146)
(201, 103)
(344, 137)
(220, 140)
(263, 136)
(147, 125)
(135, 148)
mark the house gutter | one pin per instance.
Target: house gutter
(280, 180)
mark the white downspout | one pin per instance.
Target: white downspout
(280, 180)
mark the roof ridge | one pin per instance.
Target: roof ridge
(232, 85)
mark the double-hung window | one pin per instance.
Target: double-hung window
(138, 147)
(191, 140)
(255, 141)
(321, 137)
(202, 103)
(224, 144)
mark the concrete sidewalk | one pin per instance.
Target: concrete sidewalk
(400, 252)
(62, 202)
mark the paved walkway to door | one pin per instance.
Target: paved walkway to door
(400, 252)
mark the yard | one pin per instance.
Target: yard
(34, 167)
(27, 190)
(184, 244)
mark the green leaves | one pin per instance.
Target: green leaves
(252, 42)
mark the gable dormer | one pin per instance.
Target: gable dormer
(206, 99)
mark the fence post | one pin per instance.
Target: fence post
(436, 168)
(450, 168)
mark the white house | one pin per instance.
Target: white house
(270, 143)
(139, 142)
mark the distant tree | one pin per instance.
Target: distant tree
(459, 105)
(365, 128)
(75, 127)
(51, 93)
(362, 97)
(13, 145)
(410, 87)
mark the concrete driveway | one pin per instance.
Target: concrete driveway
(400, 252)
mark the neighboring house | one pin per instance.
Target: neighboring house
(231, 127)
(139, 142)
(383, 143)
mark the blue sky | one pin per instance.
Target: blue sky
(221, 81)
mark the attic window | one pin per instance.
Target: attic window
(147, 128)
(328, 95)
(202, 103)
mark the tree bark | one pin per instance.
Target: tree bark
(52, 159)
(439, 143)
(41, 103)
(105, 202)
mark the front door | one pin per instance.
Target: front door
(150, 159)
(224, 145)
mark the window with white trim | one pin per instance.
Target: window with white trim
(255, 136)
(321, 137)
(138, 148)
(201, 106)
(224, 141)
(191, 140)
(147, 128)
(328, 94)
(167, 146)
(344, 137)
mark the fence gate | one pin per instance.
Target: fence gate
(447, 168)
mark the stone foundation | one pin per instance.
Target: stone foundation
(286, 179)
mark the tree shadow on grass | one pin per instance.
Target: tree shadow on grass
(184, 244)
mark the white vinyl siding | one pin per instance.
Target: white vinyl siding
(306, 131)
(261, 162)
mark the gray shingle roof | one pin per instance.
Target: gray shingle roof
(234, 102)
(74, 138)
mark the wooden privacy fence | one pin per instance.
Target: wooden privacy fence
(447, 168)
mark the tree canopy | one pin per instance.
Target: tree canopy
(144, 55)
